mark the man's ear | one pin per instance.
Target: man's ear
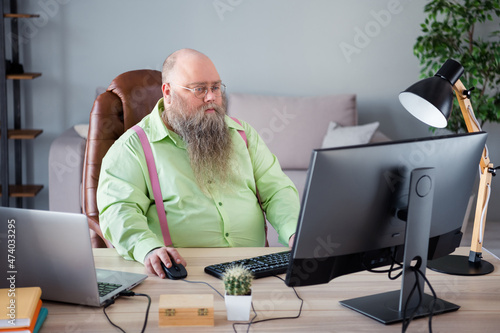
(167, 97)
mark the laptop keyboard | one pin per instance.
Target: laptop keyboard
(105, 288)
(261, 266)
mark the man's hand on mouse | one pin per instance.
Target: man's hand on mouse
(153, 260)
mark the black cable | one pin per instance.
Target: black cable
(416, 286)
(255, 313)
(390, 269)
(432, 304)
(128, 293)
(147, 311)
(108, 303)
(203, 282)
(434, 299)
(251, 322)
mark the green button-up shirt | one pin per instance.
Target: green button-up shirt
(128, 215)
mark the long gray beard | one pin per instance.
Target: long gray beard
(208, 142)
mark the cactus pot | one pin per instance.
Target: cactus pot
(238, 307)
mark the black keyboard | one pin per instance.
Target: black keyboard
(261, 266)
(105, 288)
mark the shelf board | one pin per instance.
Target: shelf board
(19, 15)
(23, 76)
(23, 191)
(23, 134)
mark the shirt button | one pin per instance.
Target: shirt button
(220, 203)
(227, 234)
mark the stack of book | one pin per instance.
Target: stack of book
(21, 310)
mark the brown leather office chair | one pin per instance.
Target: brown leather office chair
(130, 96)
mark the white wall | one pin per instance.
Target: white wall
(290, 47)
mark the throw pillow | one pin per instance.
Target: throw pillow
(82, 130)
(337, 136)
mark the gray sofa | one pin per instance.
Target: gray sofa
(291, 126)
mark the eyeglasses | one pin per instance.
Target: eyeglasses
(201, 91)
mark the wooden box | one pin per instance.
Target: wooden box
(186, 310)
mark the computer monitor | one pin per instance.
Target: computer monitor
(359, 201)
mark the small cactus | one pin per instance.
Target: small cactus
(237, 280)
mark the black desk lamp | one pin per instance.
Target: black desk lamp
(431, 100)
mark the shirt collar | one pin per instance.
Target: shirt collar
(158, 130)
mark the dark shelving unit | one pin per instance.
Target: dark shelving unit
(18, 189)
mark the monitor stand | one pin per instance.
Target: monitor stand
(389, 307)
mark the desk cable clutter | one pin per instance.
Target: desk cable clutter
(128, 293)
(203, 315)
(407, 319)
(180, 306)
(253, 321)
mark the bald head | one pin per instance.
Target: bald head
(189, 66)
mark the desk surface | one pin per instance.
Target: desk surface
(479, 298)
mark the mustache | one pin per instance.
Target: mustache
(218, 108)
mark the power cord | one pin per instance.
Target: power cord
(390, 270)
(252, 321)
(128, 293)
(203, 282)
(416, 286)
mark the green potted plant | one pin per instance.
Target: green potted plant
(451, 31)
(238, 285)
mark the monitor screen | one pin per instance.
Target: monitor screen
(356, 198)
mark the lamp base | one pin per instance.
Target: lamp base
(460, 265)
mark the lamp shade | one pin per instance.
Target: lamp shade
(430, 100)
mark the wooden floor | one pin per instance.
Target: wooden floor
(491, 237)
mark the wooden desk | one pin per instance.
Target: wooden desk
(479, 298)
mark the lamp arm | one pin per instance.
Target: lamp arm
(468, 113)
(485, 178)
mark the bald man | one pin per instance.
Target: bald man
(208, 175)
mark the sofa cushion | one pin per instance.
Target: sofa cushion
(298, 177)
(293, 126)
(337, 136)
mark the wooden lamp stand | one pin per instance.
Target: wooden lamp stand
(472, 265)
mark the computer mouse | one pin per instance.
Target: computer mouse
(175, 272)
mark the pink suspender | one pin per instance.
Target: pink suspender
(155, 183)
(244, 136)
(242, 132)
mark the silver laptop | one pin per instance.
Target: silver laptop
(52, 250)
